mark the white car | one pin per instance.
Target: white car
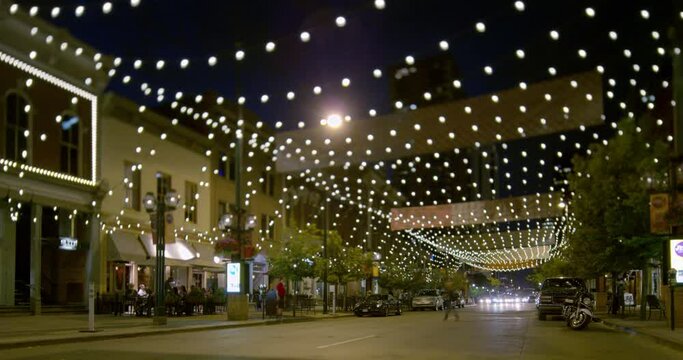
(427, 299)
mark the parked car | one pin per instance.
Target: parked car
(553, 293)
(377, 305)
(427, 299)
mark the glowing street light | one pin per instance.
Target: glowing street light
(334, 120)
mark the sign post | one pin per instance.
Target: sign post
(675, 273)
(91, 308)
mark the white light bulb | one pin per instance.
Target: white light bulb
(410, 60)
(443, 45)
(291, 95)
(340, 21)
(184, 63)
(481, 27)
(590, 12)
(239, 55)
(270, 46)
(377, 73)
(212, 61)
(305, 36)
(134, 3)
(519, 5)
(55, 12)
(107, 7)
(380, 4)
(346, 82)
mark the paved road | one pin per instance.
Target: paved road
(483, 332)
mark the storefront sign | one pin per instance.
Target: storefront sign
(676, 258)
(233, 278)
(67, 243)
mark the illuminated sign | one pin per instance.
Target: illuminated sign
(67, 243)
(676, 258)
(233, 278)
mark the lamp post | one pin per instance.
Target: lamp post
(157, 212)
(228, 224)
(326, 229)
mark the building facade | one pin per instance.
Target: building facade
(49, 155)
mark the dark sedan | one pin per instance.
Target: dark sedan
(378, 305)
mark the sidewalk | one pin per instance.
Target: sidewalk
(655, 329)
(24, 331)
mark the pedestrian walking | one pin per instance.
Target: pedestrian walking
(281, 292)
(452, 294)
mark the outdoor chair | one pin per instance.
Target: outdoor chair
(654, 304)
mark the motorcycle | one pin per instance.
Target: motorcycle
(578, 312)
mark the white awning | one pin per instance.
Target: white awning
(178, 250)
(126, 246)
(205, 254)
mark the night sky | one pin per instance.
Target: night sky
(372, 38)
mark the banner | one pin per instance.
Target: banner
(659, 206)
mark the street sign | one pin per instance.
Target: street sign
(676, 258)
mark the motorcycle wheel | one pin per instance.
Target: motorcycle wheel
(579, 322)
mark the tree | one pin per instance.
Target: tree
(557, 266)
(610, 203)
(348, 264)
(295, 258)
(403, 277)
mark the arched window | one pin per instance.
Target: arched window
(69, 144)
(17, 128)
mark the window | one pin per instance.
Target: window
(271, 228)
(222, 165)
(69, 145)
(163, 185)
(264, 182)
(17, 128)
(191, 196)
(222, 209)
(264, 226)
(268, 184)
(233, 168)
(267, 227)
(131, 181)
(271, 184)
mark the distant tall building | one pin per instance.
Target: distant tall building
(429, 81)
(433, 75)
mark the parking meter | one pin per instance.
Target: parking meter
(672, 285)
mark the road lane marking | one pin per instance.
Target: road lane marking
(345, 342)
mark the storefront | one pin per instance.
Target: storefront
(131, 260)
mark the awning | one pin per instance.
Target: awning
(205, 254)
(131, 246)
(178, 253)
(126, 246)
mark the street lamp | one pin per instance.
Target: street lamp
(237, 306)
(157, 213)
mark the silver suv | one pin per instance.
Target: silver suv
(427, 299)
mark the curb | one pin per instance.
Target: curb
(100, 336)
(634, 331)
